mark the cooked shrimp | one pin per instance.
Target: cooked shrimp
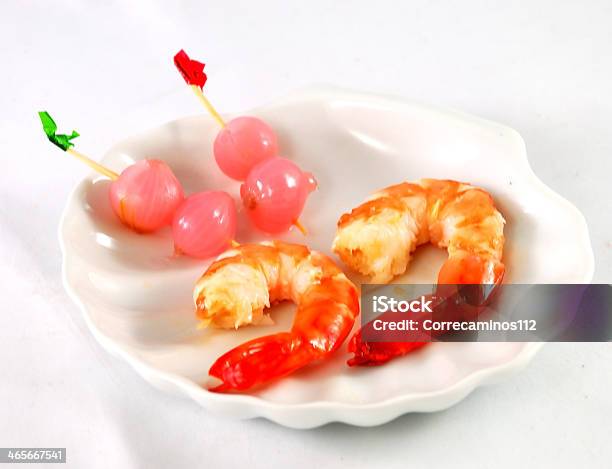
(378, 237)
(236, 290)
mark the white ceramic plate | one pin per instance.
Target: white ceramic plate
(136, 296)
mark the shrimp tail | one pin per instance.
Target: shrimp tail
(260, 360)
(450, 303)
(378, 353)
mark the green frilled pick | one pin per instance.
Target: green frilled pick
(62, 141)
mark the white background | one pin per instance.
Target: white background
(104, 67)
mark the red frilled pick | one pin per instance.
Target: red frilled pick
(192, 70)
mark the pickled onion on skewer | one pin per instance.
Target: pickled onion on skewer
(242, 142)
(204, 224)
(274, 194)
(243, 145)
(144, 196)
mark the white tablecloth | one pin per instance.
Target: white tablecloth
(105, 68)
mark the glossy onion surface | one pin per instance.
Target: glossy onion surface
(274, 194)
(204, 224)
(243, 143)
(146, 195)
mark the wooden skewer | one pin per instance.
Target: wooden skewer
(213, 112)
(93, 164)
(300, 227)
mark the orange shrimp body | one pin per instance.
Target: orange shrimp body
(377, 238)
(237, 288)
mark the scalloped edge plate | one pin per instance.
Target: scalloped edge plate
(312, 412)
